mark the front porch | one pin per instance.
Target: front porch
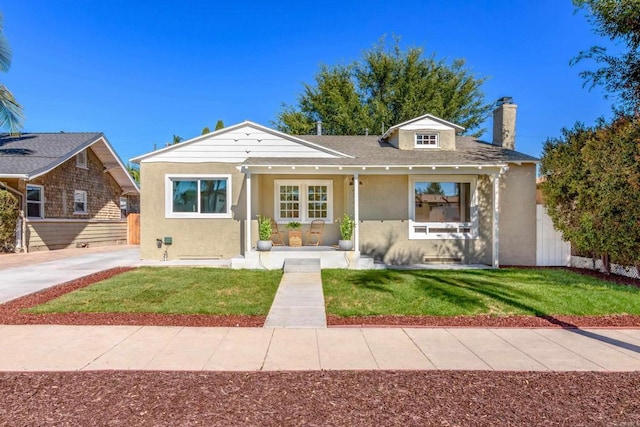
(329, 256)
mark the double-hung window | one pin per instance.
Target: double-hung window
(79, 202)
(442, 207)
(35, 201)
(198, 196)
(303, 200)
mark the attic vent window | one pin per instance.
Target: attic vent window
(81, 159)
(427, 140)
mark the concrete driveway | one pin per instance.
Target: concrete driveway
(23, 274)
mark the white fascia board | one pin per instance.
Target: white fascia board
(249, 123)
(371, 169)
(14, 176)
(129, 178)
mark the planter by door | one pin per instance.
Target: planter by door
(295, 238)
(264, 245)
(345, 245)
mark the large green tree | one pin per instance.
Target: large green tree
(618, 72)
(592, 187)
(11, 116)
(385, 87)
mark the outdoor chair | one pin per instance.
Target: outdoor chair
(276, 235)
(314, 235)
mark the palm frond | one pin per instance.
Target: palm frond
(11, 115)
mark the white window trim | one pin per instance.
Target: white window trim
(86, 202)
(430, 134)
(41, 202)
(168, 191)
(82, 159)
(304, 185)
(420, 230)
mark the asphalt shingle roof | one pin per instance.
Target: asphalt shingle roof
(368, 150)
(33, 153)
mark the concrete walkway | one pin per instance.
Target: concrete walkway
(75, 348)
(299, 301)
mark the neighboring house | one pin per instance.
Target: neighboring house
(73, 189)
(419, 193)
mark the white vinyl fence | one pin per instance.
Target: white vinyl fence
(551, 249)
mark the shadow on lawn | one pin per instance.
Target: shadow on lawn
(460, 291)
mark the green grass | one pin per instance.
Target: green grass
(174, 291)
(468, 292)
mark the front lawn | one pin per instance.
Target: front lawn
(174, 291)
(469, 292)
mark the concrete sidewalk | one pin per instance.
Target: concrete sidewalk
(74, 348)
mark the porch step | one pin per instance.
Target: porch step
(302, 265)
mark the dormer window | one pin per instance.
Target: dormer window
(81, 159)
(427, 140)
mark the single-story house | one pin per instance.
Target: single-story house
(72, 187)
(421, 192)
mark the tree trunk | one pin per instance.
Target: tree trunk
(606, 264)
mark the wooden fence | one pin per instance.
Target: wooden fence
(133, 229)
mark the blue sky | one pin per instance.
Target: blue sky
(141, 71)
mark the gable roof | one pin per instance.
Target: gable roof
(236, 143)
(417, 119)
(31, 155)
(372, 151)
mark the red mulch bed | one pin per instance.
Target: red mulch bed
(321, 398)
(10, 313)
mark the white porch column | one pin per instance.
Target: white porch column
(247, 233)
(356, 212)
(496, 218)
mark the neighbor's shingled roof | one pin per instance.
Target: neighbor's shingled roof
(32, 154)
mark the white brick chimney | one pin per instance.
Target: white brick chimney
(504, 123)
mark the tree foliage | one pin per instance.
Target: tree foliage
(386, 87)
(11, 115)
(592, 187)
(9, 207)
(618, 72)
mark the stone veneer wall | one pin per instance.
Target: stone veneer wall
(103, 193)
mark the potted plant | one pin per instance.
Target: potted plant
(264, 233)
(295, 235)
(347, 225)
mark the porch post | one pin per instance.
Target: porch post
(356, 212)
(496, 217)
(247, 247)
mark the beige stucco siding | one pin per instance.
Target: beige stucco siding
(265, 206)
(384, 226)
(518, 216)
(192, 237)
